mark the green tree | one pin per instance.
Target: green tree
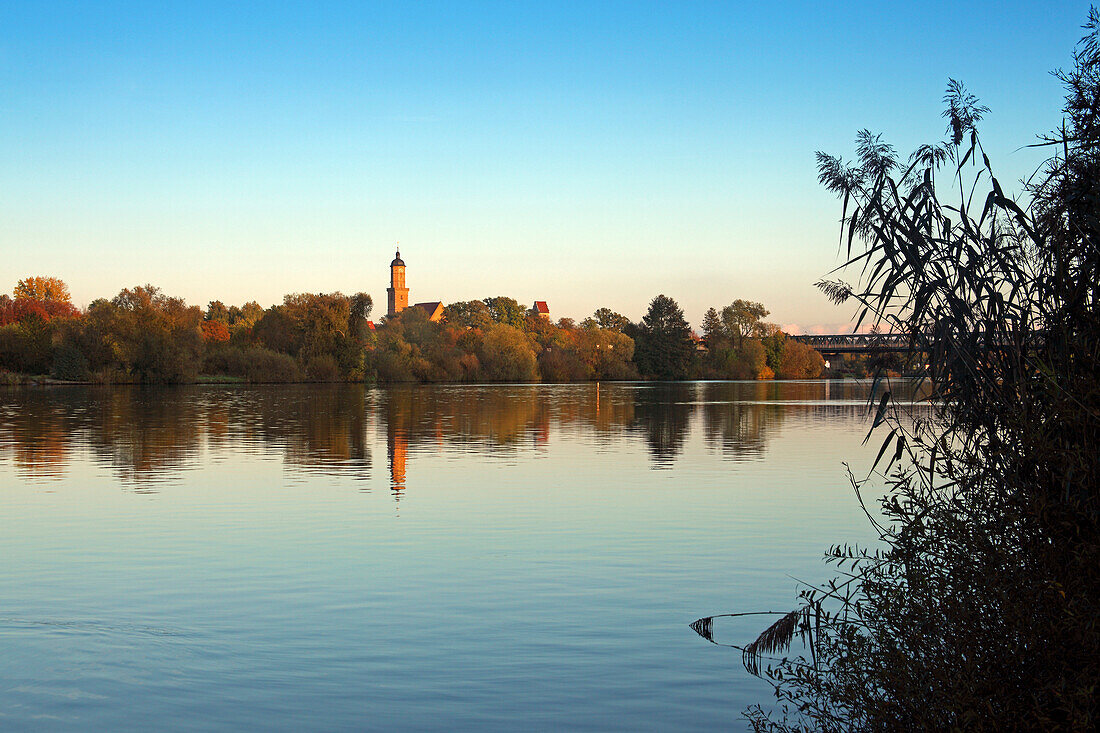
(277, 331)
(507, 311)
(358, 315)
(608, 353)
(773, 341)
(218, 312)
(664, 348)
(468, 314)
(608, 319)
(712, 327)
(742, 319)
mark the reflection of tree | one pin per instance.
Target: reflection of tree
(492, 418)
(321, 428)
(663, 412)
(145, 432)
(149, 434)
(499, 416)
(736, 417)
(608, 408)
(36, 427)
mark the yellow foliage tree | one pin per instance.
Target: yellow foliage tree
(43, 288)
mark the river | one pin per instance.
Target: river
(332, 557)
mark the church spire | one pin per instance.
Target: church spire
(397, 295)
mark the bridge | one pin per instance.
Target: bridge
(855, 343)
(870, 343)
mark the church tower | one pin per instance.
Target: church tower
(397, 293)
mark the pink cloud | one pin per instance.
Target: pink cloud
(796, 329)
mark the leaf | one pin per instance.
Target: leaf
(898, 451)
(882, 450)
(880, 415)
(776, 637)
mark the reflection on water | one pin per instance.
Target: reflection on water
(524, 556)
(149, 435)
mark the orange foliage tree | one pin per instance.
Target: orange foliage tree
(50, 289)
(215, 332)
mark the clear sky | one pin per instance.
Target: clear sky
(585, 154)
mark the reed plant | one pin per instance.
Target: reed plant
(978, 607)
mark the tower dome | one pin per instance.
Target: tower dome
(397, 261)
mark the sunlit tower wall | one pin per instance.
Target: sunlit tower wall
(397, 294)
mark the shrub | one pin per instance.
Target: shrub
(264, 365)
(323, 368)
(70, 364)
(111, 375)
(254, 364)
(562, 365)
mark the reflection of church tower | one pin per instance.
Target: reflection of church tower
(399, 453)
(397, 293)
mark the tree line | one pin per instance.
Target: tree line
(143, 335)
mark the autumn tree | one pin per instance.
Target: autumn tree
(156, 338)
(32, 321)
(798, 361)
(215, 332)
(506, 355)
(42, 288)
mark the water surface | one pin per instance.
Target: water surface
(338, 557)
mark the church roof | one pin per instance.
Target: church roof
(433, 309)
(397, 261)
(541, 307)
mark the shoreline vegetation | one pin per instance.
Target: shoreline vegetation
(142, 336)
(976, 607)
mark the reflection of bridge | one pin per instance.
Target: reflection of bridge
(855, 343)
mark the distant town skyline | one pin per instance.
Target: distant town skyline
(585, 156)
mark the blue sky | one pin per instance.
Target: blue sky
(582, 154)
